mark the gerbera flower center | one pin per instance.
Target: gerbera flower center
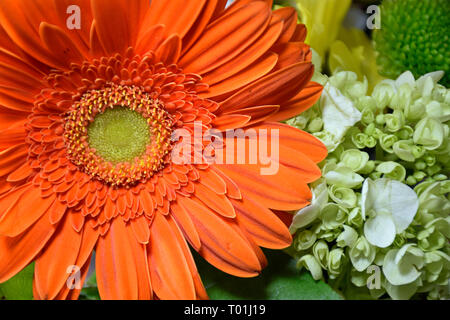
(119, 134)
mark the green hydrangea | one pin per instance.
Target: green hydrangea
(383, 200)
(414, 36)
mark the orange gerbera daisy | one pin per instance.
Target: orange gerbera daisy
(86, 120)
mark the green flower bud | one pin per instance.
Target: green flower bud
(333, 216)
(404, 150)
(305, 240)
(405, 133)
(415, 111)
(347, 238)
(367, 116)
(370, 142)
(380, 119)
(435, 263)
(345, 197)
(383, 93)
(433, 169)
(359, 140)
(420, 165)
(354, 159)
(419, 175)
(411, 181)
(356, 89)
(320, 251)
(418, 151)
(429, 133)
(431, 239)
(362, 254)
(343, 177)
(429, 160)
(368, 168)
(336, 260)
(375, 175)
(370, 129)
(366, 102)
(387, 142)
(392, 170)
(310, 263)
(440, 177)
(355, 218)
(394, 121)
(315, 125)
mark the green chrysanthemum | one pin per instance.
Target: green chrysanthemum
(414, 36)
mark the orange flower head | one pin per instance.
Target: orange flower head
(93, 96)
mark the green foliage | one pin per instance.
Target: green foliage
(20, 287)
(279, 281)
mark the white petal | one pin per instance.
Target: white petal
(406, 77)
(338, 112)
(403, 272)
(380, 230)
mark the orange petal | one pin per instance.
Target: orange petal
(199, 288)
(177, 15)
(186, 225)
(169, 271)
(304, 100)
(221, 245)
(217, 202)
(246, 58)
(58, 42)
(290, 53)
(16, 253)
(271, 89)
(230, 121)
(169, 51)
(21, 19)
(289, 17)
(11, 77)
(60, 255)
(151, 39)
(253, 72)
(139, 250)
(213, 181)
(300, 33)
(141, 229)
(21, 173)
(115, 265)
(298, 140)
(18, 215)
(282, 191)
(211, 8)
(263, 225)
(226, 38)
(257, 114)
(112, 24)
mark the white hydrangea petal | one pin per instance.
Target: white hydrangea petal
(393, 197)
(404, 204)
(308, 214)
(380, 230)
(344, 177)
(436, 76)
(404, 292)
(406, 77)
(338, 112)
(347, 238)
(403, 272)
